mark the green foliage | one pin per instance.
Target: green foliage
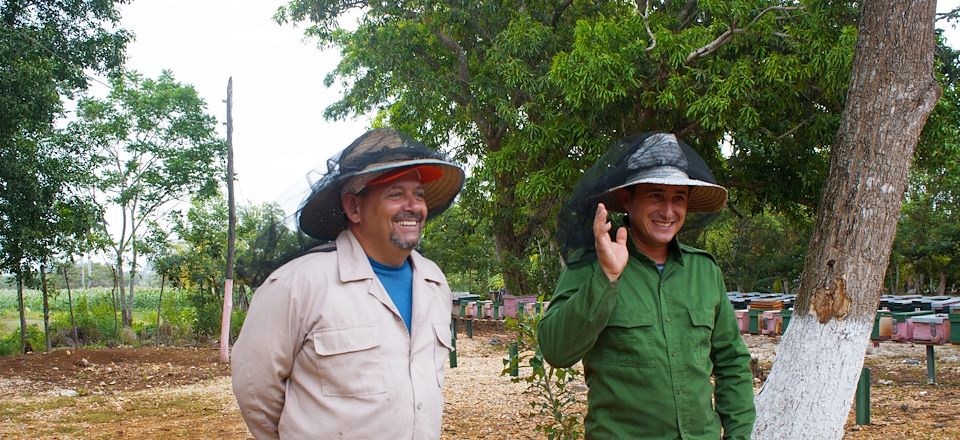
(264, 242)
(759, 252)
(178, 317)
(553, 400)
(95, 318)
(45, 48)
(11, 344)
(530, 96)
(154, 145)
(459, 242)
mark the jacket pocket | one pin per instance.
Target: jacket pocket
(350, 362)
(442, 349)
(629, 340)
(701, 323)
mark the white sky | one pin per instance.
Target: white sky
(279, 133)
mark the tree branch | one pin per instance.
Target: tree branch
(463, 71)
(646, 24)
(725, 37)
(557, 13)
(952, 15)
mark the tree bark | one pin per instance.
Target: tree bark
(46, 306)
(23, 310)
(942, 287)
(231, 235)
(73, 320)
(891, 93)
(163, 280)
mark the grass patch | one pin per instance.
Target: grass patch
(100, 416)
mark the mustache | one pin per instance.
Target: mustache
(408, 216)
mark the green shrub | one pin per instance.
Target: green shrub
(177, 319)
(552, 398)
(128, 336)
(236, 323)
(11, 344)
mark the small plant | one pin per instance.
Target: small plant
(554, 400)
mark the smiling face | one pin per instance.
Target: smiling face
(388, 218)
(656, 214)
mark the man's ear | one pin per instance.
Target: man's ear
(351, 206)
(623, 196)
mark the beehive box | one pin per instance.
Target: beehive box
(932, 329)
(770, 322)
(903, 327)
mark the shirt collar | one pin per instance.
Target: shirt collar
(674, 252)
(354, 264)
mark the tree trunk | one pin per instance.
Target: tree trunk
(73, 320)
(163, 279)
(942, 286)
(231, 235)
(510, 253)
(120, 291)
(23, 310)
(891, 92)
(113, 296)
(46, 306)
(128, 311)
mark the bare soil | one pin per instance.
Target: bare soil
(154, 393)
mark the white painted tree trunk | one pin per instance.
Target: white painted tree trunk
(892, 91)
(822, 360)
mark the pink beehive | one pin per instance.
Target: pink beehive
(931, 329)
(769, 322)
(471, 310)
(485, 309)
(510, 303)
(902, 331)
(743, 321)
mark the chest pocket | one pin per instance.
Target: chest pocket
(701, 326)
(350, 362)
(442, 349)
(629, 339)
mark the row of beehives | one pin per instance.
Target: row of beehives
(920, 326)
(510, 307)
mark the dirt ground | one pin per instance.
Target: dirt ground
(156, 393)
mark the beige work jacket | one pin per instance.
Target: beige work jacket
(323, 352)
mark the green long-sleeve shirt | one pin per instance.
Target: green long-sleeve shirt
(649, 345)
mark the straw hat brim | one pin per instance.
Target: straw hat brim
(703, 197)
(322, 216)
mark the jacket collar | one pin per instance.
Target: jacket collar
(674, 252)
(354, 265)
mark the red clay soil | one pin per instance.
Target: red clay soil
(102, 369)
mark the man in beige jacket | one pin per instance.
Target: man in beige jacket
(350, 339)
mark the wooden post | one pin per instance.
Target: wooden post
(453, 342)
(231, 235)
(863, 398)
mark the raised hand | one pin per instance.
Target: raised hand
(612, 255)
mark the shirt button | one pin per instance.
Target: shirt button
(674, 355)
(668, 319)
(419, 405)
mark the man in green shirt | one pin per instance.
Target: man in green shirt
(648, 316)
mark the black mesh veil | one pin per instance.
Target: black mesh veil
(620, 165)
(321, 214)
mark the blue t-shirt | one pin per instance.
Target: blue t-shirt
(398, 282)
